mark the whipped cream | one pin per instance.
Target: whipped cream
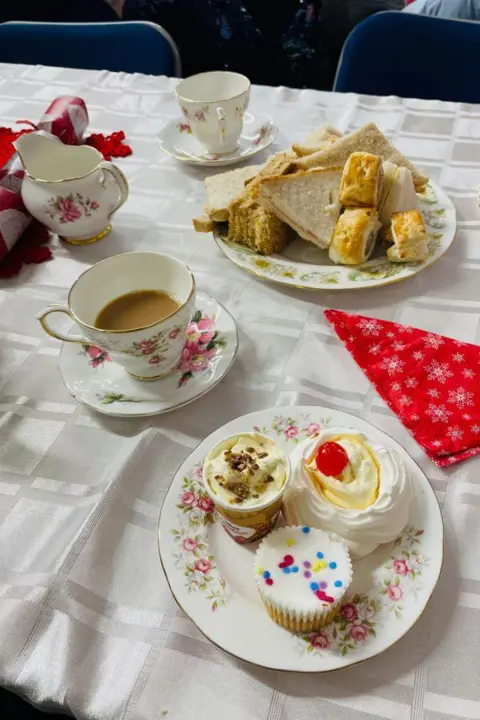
(246, 470)
(366, 506)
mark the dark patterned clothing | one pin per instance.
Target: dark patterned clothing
(273, 42)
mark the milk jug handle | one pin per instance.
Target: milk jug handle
(120, 180)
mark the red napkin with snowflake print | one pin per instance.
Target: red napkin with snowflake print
(431, 382)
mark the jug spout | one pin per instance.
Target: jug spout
(33, 148)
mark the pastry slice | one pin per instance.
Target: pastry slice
(362, 180)
(307, 201)
(367, 139)
(407, 231)
(398, 192)
(354, 236)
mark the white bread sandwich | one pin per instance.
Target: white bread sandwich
(362, 180)
(367, 139)
(225, 187)
(354, 236)
(321, 138)
(398, 192)
(410, 238)
(307, 201)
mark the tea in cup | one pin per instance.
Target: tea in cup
(136, 306)
(214, 103)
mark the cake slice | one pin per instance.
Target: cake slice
(367, 139)
(307, 201)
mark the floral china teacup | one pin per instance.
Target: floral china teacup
(72, 190)
(146, 353)
(213, 104)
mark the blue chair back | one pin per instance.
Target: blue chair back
(141, 47)
(396, 53)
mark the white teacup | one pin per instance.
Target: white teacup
(148, 352)
(214, 104)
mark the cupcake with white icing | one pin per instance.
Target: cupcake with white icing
(350, 485)
(302, 575)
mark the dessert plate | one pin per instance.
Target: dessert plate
(303, 265)
(176, 139)
(94, 380)
(212, 579)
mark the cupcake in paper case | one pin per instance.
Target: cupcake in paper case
(246, 475)
(302, 575)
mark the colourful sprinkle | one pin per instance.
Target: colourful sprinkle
(286, 570)
(332, 565)
(307, 574)
(319, 565)
(321, 595)
(260, 571)
(307, 563)
(290, 542)
(287, 560)
(314, 586)
(323, 585)
(266, 574)
(320, 555)
(306, 529)
(269, 581)
(338, 583)
(294, 569)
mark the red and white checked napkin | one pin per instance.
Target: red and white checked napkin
(431, 382)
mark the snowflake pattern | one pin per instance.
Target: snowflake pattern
(455, 433)
(393, 365)
(468, 374)
(411, 382)
(466, 416)
(418, 355)
(458, 357)
(405, 400)
(370, 326)
(476, 429)
(390, 334)
(375, 349)
(433, 341)
(396, 387)
(439, 371)
(398, 346)
(460, 397)
(415, 417)
(433, 393)
(438, 413)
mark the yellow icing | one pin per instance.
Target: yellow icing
(290, 542)
(357, 486)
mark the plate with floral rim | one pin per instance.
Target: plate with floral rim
(302, 265)
(94, 380)
(176, 139)
(211, 577)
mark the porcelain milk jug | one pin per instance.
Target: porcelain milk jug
(70, 189)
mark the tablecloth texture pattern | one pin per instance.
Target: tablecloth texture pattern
(87, 623)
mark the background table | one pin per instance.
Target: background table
(87, 622)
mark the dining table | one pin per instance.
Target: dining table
(88, 625)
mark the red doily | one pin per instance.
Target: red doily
(431, 382)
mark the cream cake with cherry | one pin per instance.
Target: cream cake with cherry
(302, 575)
(348, 484)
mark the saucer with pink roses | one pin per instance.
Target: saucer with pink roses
(209, 352)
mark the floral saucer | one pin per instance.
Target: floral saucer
(211, 576)
(176, 139)
(94, 380)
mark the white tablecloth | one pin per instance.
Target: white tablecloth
(87, 622)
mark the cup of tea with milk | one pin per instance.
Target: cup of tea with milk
(136, 306)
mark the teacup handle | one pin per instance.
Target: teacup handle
(48, 310)
(222, 123)
(121, 182)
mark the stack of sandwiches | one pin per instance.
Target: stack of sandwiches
(340, 193)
